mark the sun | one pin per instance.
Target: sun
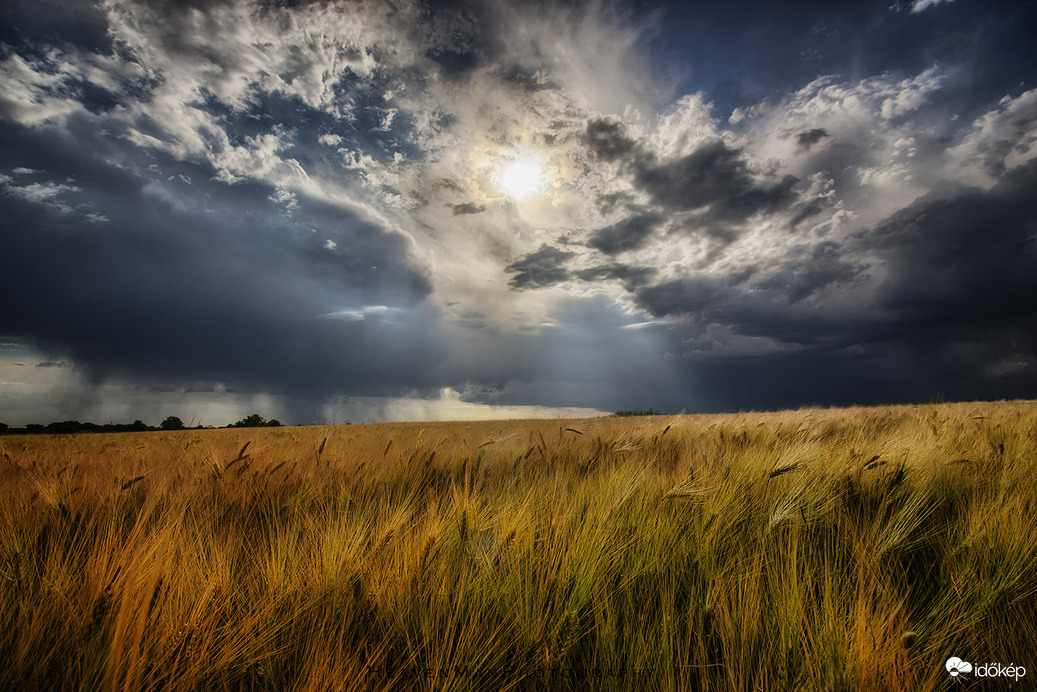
(520, 178)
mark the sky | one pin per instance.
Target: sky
(365, 211)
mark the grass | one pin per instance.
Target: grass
(852, 549)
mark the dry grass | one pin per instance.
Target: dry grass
(815, 549)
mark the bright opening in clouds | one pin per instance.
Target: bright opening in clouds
(552, 206)
(520, 178)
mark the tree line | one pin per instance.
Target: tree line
(68, 427)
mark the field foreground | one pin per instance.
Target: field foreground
(851, 549)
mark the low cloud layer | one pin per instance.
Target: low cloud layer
(307, 206)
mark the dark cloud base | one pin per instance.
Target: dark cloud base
(232, 292)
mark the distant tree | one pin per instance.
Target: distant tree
(172, 423)
(64, 427)
(252, 421)
(256, 421)
(647, 412)
(4, 426)
(35, 428)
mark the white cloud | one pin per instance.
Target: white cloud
(32, 93)
(286, 198)
(259, 159)
(345, 315)
(355, 314)
(42, 192)
(48, 194)
(1000, 139)
(921, 5)
(867, 140)
(685, 127)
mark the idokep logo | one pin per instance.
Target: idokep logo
(957, 667)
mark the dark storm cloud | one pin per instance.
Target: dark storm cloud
(716, 176)
(955, 263)
(714, 180)
(809, 138)
(467, 208)
(541, 268)
(686, 296)
(628, 234)
(827, 266)
(929, 364)
(800, 277)
(608, 140)
(227, 291)
(963, 260)
(956, 313)
(459, 35)
(806, 209)
(561, 365)
(789, 381)
(608, 202)
(28, 24)
(629, 276)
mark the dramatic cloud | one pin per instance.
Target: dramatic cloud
(467, 208)
(539, 269)
(628, 234)
(920, 5)
(307, 207)
(713, 177)
(809, 138)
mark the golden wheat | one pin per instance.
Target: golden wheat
(813, 549)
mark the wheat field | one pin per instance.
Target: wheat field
(819, 549)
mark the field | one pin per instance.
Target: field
(853, 549)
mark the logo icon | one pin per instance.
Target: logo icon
(955, 666)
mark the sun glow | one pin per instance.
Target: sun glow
(520, 178)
